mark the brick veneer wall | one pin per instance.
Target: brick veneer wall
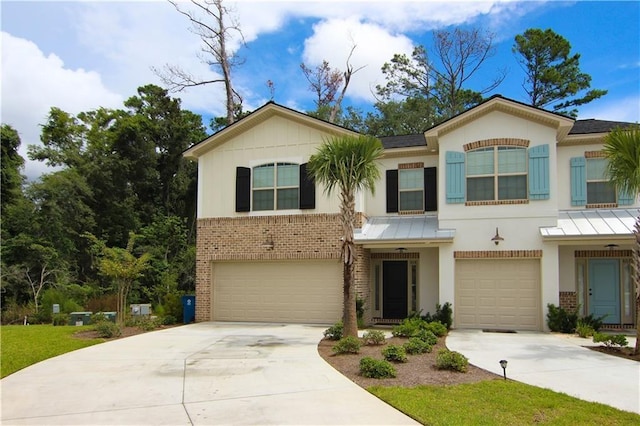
(294, 237)
(569, 300)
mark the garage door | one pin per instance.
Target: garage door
(296, 292)
(498, 294)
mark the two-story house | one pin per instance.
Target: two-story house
(499, 211)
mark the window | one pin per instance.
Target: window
(599, 189)
(411, 189)
(275, 183)
(496, 173)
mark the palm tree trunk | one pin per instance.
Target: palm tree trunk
(636, 277)
(347, 210)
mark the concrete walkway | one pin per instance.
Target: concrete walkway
(200, 374)
(554, 361)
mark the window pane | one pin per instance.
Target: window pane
(480, 189)
(263, 176)
(411, 179)
(512, 160)
(288, 174)
(480, 162)
(512, 187)
(263, 199)
(411, 200)
(600, 193)
(596, 169)
(287, 199)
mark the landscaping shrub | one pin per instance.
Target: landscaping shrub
(610, 340)
(408, 327)
(147, 323)
(436, 328)
(347, 345)
(584, 330)
(416, 345)
(60, 319)
(444, 315)
(169, 320)
(426, 336)
(559, 320)
(451, 360)
(376, 368)
(107, 329)
(394, 353)
(373, 337)
(334, 332)
(594, 323)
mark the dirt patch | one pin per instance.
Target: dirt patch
(419, 370)
(619, 352)
(126, 332)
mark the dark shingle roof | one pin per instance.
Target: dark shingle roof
(403, 141)
(583, 127)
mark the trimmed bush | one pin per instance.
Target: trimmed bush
(436, 328)
(416, 345)
(376, 368)
(374, 337)
(594, 323)
(169, 320)
(426, 336)
(451, 360)
(610, 340)
(347, 345)
(559, 320)
(60, 319)
(394, 353)
(444, 315)
(408, 327)
(584, 330)
(334, 332)
(107, 329)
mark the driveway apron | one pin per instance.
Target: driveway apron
(200, 374)
(554, 361)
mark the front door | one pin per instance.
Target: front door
(394, 289)
(604, 289)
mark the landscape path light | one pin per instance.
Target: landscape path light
(503, 364)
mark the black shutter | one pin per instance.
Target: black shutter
(392, 191)
(430, 189)
(243, 189)
(307, 189)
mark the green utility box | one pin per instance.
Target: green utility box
(80, 318)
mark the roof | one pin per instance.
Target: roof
(583, 127)
(583, 224)
(402, 229)
(403, 141)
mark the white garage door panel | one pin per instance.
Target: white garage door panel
(302, 291)
(501, 294)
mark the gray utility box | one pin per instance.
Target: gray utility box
(141, 309)
(80, 318)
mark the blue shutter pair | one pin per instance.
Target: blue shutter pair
(579, 185)
(538, 175)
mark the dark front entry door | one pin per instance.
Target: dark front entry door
(394, 289)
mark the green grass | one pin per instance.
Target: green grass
(22, 346)
(498, 402)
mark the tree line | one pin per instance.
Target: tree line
(115, 219)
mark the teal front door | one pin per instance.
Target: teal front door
(604, 289)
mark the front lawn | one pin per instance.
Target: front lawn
(22, 346)
(498, 402)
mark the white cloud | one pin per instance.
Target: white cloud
(32, 83)
(620, 109)
(332, 41)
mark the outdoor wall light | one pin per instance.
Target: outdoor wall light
(497, 238)
(503, 364)
(611, 247)
(401, 249)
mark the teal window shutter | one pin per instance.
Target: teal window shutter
(455, 178)
(578, 181)
(625, 199)
(539, 173)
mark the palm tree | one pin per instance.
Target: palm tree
(622, 149)
(348, 163)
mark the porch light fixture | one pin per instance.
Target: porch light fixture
(611, 247)
(497, 238)
(401, 249)
(503, 364)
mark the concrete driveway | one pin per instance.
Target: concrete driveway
(200, 374)
(558, 362)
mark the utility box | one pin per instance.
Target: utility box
(80, 318)
(188, 309)
(141, 309)
(56, 308)
(109, 316)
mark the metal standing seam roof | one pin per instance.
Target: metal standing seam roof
(592, 223)
(402, 228)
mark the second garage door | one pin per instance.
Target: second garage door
(292, 292)
(498, 294)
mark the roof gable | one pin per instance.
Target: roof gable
(262, 114)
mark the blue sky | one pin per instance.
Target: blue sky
(79, 56)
